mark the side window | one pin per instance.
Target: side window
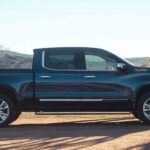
(59, 61)
(98, 63)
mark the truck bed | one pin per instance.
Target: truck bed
(15, 70)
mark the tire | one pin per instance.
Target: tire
(143, 108)
(7, 110)
(135, 114)
(16, 116)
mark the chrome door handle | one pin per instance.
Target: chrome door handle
(89, 77)
(45, 77)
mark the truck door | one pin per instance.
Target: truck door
(77, 80)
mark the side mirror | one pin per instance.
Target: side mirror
(121, 66)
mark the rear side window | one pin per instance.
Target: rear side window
(60, 61)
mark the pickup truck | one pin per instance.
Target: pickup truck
(75, 80)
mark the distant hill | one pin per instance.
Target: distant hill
(13, 60)
(140, 61)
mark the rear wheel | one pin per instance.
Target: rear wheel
(17, 116)
(143, 108)
(7, 110)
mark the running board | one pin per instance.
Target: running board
(78, 113)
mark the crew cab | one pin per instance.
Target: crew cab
(75, 80)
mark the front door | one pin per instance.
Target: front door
(100, 77)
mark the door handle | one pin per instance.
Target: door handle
(45, 77)
(89, 77)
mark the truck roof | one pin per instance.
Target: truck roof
(74, 48)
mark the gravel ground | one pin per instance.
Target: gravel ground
(93, 132)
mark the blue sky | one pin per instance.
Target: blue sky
(120, 26)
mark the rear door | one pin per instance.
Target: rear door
(59, 77)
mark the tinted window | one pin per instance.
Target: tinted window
(60, 61)
(98, 63)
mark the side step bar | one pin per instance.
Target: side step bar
(78, 113)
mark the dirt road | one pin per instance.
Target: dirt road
(99, 132)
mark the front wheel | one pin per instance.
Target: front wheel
(7, 110)
(143, 108)
(135, 114)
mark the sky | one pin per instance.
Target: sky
(120, 26)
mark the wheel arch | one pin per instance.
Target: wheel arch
(141, 91)
(10, 92)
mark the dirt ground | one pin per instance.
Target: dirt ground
(86, 132)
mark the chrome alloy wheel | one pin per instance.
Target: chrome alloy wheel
(146, 108)
(4, 110)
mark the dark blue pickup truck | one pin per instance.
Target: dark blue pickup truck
(75, 81)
